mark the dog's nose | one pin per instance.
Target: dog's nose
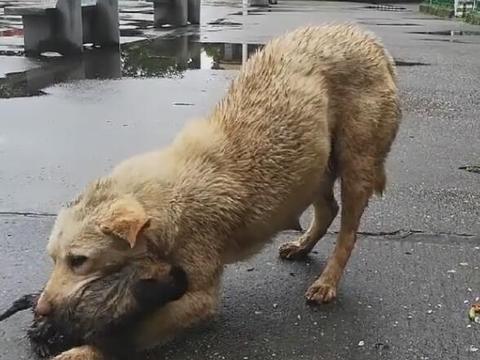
(43, 307)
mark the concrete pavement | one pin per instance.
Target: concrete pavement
(413, 275)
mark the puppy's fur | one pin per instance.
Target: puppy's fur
(107, 310)
(315, 105)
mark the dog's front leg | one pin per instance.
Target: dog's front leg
(179, 315)
(81, 353)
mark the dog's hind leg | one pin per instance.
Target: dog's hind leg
(325, 210)
(364, 134)
(358, 185)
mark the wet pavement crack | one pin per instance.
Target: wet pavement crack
(405, 233)
(183, 104)
(409, 63)
(26, 214)
(471, 168)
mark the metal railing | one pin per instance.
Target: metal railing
(444, 3)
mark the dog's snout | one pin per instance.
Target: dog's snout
(43, 307)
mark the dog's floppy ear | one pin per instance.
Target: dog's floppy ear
(153, 293)
(126, 219)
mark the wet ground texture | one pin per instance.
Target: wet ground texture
(415, 271)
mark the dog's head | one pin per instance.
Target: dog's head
(102, 266)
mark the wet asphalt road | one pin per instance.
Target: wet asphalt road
(415, 271)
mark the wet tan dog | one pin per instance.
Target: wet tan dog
(317, 104)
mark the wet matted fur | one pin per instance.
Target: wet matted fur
(105, 313)
(316, 105)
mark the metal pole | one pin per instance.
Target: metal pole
(244, 53)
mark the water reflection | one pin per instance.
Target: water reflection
(161, 57)
(99, 64)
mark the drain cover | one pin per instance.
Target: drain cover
(386, 7)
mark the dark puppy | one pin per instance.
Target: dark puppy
(106, 312)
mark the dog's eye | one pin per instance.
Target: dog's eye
(77, 260)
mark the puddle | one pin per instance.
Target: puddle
(448, 33)
(131, 32)
(274, 9)
(451, 36)
(424, 18)
(165, 57)
(247, 12)
(155, 58)
(393, 24)
(224, 22)
(451, 40)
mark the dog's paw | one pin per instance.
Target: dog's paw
(321, 292)
(80, 353)
(293, 251)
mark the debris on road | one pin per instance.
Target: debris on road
(474, 313)
(471, 168)
(24, 303)
(473, 348)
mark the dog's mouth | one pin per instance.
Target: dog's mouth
(105, 313)
(45, 337)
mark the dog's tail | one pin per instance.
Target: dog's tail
(380, 181)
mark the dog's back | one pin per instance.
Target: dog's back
(314, 100)
(315, 104)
